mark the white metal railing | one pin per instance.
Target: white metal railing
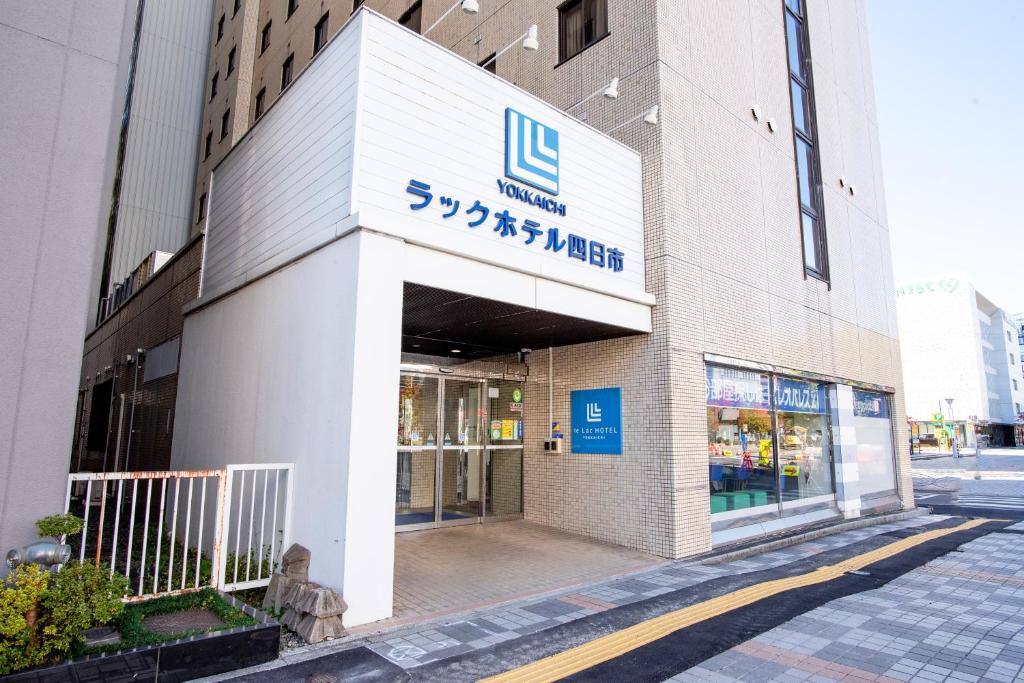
(271, 495)
(169, 531)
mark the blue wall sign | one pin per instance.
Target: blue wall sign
(531, 151)
(795, 396)
(597, 421)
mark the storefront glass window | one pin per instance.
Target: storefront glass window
(805, 450)
(742, 466)
(875, 457)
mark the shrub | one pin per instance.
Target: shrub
(80, 596)
(19, 625)
(59, 525)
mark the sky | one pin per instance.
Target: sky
(949, 85)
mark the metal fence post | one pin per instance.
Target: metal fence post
(219, 559)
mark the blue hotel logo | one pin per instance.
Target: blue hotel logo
(531, 152)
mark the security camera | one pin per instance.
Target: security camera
(523, 353)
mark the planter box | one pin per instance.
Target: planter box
(174, 660)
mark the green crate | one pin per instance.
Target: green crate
(737, 500)
(718, 503)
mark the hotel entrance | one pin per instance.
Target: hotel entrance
(460, 450)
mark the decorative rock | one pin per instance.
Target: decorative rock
(297, 593)
(321, 603)
(276, 592)
(314, 630)
(295, 562)
(291, 619)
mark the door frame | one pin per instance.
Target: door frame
(484, 449)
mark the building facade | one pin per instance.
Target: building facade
(62, 83)
(154, 154)
(129, 377)
(724, 363)
(957, 344)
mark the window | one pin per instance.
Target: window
(1013, 361)
(581, 23)
(202, 207)
(356, 4)
(808, 164)
(490, 63)
(320, 34)
(413, 17)
(286, 71)
(769, 443)
(261, 97)
(224, 124)
(208, 146)
(238, 6)
(292, 6)
(1018, 408)
(265, 38)
(742, 468)
(213, 85)
(220, 29)
(99, 416)
(231, 60)
(1015, 385)
(1008, 337)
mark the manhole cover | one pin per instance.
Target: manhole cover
(179, 622)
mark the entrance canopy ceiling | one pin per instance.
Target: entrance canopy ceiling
(437, 321)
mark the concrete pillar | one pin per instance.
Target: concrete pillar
(369, 426)
(844, 450)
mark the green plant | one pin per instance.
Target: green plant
(135, 634)
(59, 525)
(80, 596)
(19, 618)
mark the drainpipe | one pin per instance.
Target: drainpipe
(131, 419)
(551, 395)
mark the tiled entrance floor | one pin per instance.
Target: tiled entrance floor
(457, 568)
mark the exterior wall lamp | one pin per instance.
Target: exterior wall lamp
(530, 44)
(610, 91)
(468, 6)
(650, 117)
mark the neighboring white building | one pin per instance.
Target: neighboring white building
(956, 343)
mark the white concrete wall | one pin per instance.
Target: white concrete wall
(59, 65)
(429, 115)
(155, 208)
(276, 373)
(380, 106)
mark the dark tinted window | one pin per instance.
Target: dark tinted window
(413, 17)
(320, 34)
(292, 6)
(225, 119)
(231, 60)
(265, 38)
(581, 23)
(805, 150)
(261, 97)
(286, 71)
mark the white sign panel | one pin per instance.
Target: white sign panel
(452, 157)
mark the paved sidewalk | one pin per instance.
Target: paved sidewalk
(418, 645)
(957, 618)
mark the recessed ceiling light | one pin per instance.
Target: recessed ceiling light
(456, 350)
(415, 346)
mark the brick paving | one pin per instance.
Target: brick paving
(957, 618)
(502, 561)
(418, 645)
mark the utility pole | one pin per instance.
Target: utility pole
(956, 445)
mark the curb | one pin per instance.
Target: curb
(769, 546)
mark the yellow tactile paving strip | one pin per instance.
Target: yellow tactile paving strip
(616, 644)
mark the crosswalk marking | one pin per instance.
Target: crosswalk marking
(991, 501)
